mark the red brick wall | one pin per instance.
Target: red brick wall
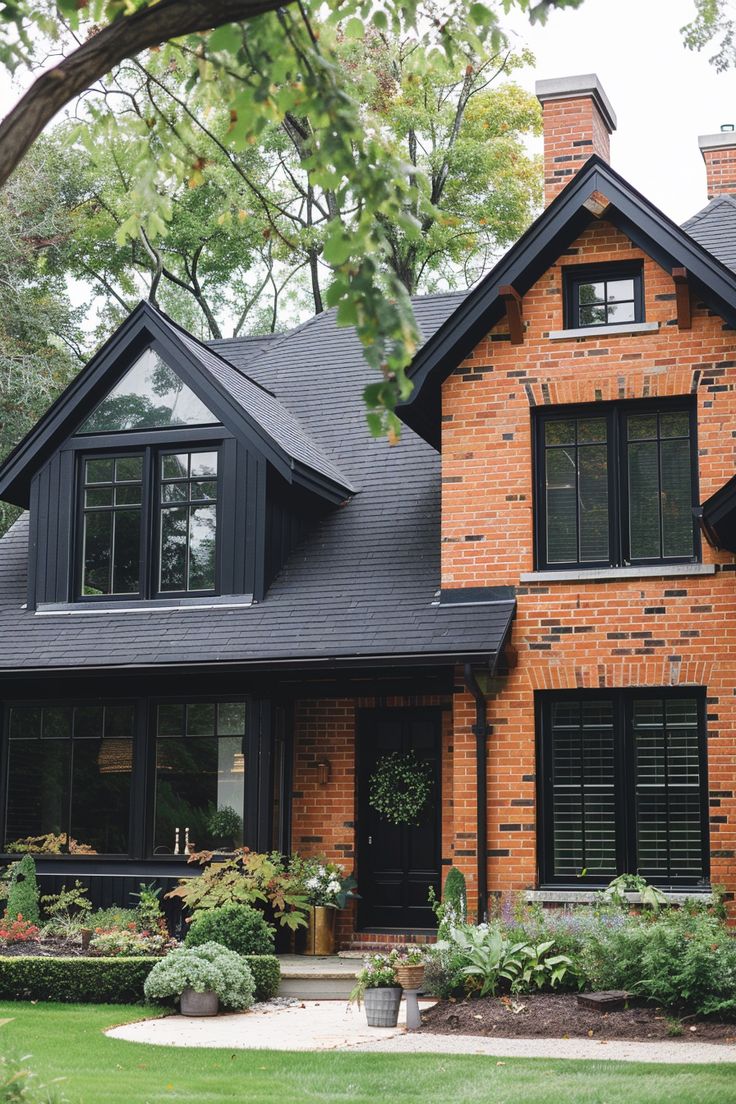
(324, 815)
(720, 168)
(635, 632)
(573, 130)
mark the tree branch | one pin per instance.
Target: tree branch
(127, 36)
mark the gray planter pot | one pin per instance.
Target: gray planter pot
(382, 1007)
(192, 1003)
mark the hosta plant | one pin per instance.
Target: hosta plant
(540, 969)
(487, 957)
(207, 968)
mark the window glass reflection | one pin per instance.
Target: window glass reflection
(200, 776)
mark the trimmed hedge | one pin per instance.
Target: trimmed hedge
(266, 974)
(103, 980)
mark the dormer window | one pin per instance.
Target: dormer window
(609, 296)
(149, 523)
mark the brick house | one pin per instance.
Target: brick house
(223, 594)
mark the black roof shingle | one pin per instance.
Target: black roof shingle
(362, 586)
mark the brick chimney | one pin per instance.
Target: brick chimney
(719, 154)
(578, 122)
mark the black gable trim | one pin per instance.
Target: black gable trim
(146, 326)
(563, 221)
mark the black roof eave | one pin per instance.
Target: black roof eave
(145, 325)
(719, 516)
(563, 221)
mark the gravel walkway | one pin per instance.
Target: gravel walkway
(331, 1025)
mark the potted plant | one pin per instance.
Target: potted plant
(410, 968)
(224, 825)
(378, 988)
(202, 979)
(327, 889)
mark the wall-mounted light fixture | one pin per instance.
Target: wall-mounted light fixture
(324, 770)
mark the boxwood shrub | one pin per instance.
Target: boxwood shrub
(240, 928)
(103, 980)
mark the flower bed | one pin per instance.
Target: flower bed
(678, 959)
(558, 1016)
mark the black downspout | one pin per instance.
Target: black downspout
(482, 731)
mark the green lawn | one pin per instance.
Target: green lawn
(67, 1041)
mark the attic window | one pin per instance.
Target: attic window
(610, 296)
(149, 396)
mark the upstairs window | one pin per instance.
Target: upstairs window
(149, 523)
(623, 787)
(616, 485)
(596, 296)
(149, 396)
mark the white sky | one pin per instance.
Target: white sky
(663, 95)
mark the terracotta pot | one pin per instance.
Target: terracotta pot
(192, 1003)
(320, 930)
(410, 977)
(382, 1007)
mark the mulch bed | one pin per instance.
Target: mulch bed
(558, 1016)
(46, 948)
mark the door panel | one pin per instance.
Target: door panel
(397, 864)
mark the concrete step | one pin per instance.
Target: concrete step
(309, 977)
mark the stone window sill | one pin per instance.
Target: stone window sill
(603, 574)
(620, 330)
(588, 896)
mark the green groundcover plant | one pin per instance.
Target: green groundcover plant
(683, 958)
(207, 968)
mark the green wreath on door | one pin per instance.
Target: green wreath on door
(400, 787)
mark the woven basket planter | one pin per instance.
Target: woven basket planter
(410, 977)
(382, 1007)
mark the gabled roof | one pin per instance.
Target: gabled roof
(243, 406)
(715, 228)
(563, 221)
(360, 590)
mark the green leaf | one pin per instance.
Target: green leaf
(354, 28)
(228, 37)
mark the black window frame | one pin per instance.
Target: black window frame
(257, 823)
(136, 782)
(575, 275)
(150, 554)
(624, 783)
(616, 414)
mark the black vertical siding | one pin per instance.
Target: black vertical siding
(52, 509)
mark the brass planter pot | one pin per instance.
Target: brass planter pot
(320, 930)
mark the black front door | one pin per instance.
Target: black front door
(397, 864)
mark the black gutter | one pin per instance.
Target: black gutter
(482, 731)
